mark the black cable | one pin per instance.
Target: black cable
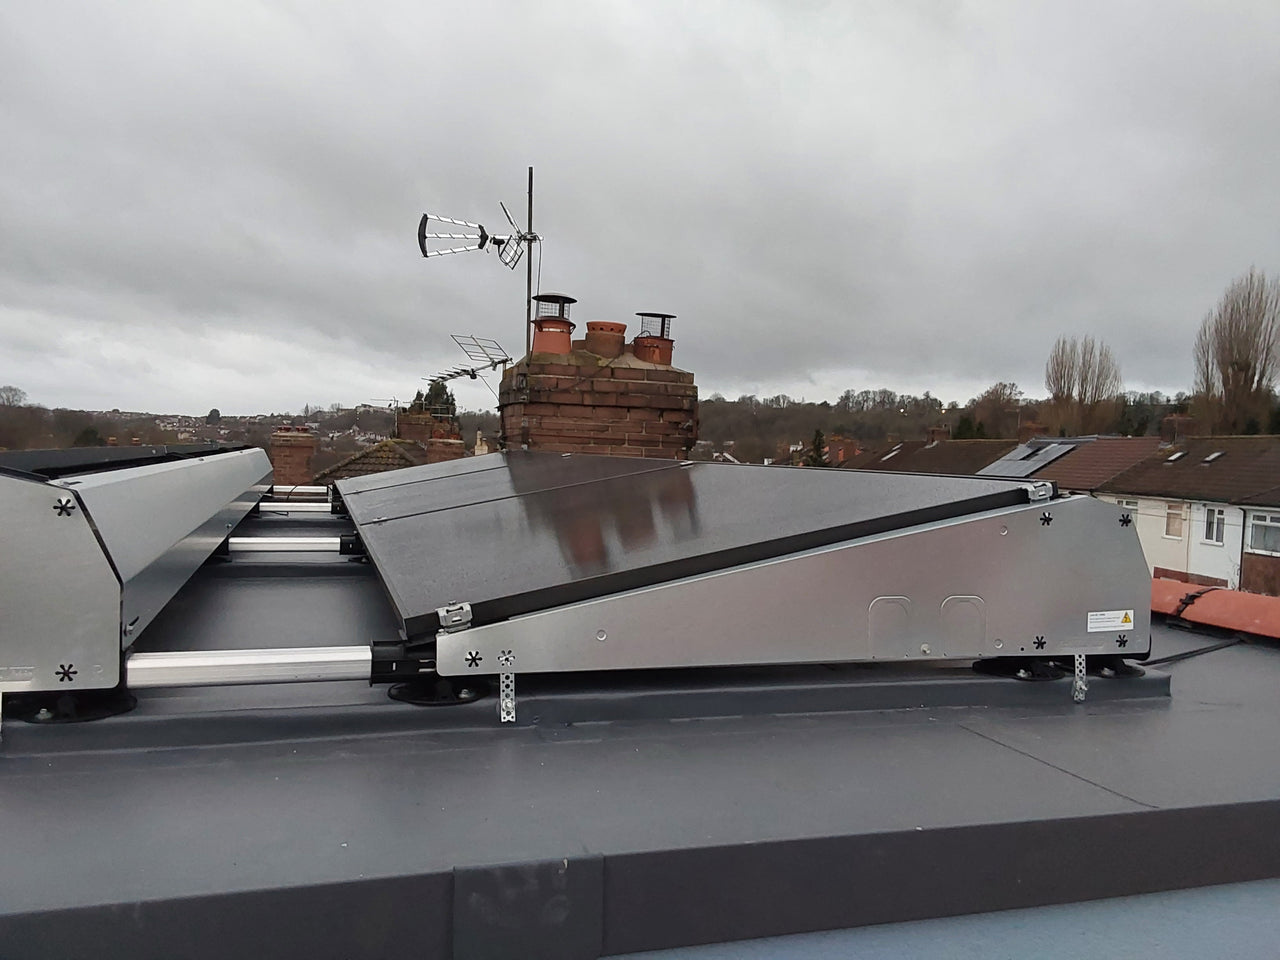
(1188, 654)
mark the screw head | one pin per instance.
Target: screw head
(999, 644)
(601, 635)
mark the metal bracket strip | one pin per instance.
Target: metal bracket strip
(1079, 685)
(507, 697)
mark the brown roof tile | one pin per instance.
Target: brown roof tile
(1247, 470)
(1267, 498)
(956, 457)
(1092, 464)
(381, 457)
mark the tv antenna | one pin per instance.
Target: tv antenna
(510, 247)
(484, 354)
(393, 404)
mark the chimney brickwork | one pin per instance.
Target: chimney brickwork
(441, 449)
(578, 403)
(423, 428)
(599, 394)
(290, 453)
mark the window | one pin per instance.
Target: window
(1127, 504)
(1264, 533)
(1173, 521)
(1215, 522)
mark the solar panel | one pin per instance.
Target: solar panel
(521, 531)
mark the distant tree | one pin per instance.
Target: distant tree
(997, 410)
(1237, 353)
(89, 437)
(1136, 412)
(11, 396)
(437, 401)
(214, 417)
(964, 429)
(1083, 380)
(817, 454)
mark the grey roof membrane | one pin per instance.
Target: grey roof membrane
(288, 794)
(568, 528)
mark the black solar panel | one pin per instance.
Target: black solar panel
(521, 531)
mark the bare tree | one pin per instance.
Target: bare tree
(1060, 370)
(1083, 380)
(997, 410)
(11, 396)
(1237, 353)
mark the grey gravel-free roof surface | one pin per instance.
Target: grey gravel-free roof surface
(203, 793)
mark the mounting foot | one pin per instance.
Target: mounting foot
(79, 707)
(1020, 668)
(434, 691)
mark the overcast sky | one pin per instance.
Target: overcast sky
(215, 204)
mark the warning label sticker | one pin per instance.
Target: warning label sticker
(1108, 621)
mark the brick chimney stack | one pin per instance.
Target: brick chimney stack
(599, 394)
(291, 452)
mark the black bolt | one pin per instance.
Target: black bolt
(1046, 518)
(1125, 519)
(1039, 643)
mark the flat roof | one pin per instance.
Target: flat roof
(321, 816)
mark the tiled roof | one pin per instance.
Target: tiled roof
(1092, 464)
(956, 457)
(1267, 498)
(1245, 470)
(381, 457)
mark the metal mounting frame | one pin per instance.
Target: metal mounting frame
(91, 558)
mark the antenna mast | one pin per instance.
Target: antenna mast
(528, 268)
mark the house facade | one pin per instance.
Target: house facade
(1197, 541)
(1260, 558)
(1203, 511)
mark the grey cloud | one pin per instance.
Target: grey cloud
(829, 195)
